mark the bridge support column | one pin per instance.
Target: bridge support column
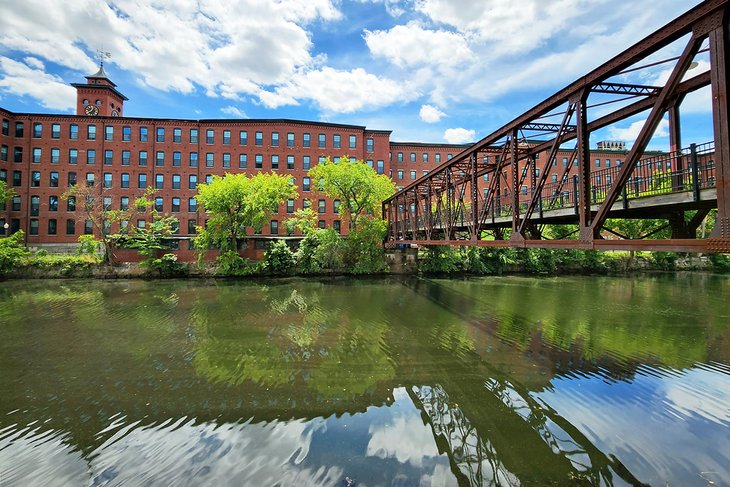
(586, 232)
(719, 38)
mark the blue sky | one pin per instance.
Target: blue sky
(430, 70)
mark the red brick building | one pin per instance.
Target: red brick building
(41, 155)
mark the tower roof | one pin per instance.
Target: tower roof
(101, 74)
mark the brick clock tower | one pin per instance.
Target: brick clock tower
(98, 96)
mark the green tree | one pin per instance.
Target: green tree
(6, 193)
(235, 202)
(304, 220)
(95, 205)
(360, 189)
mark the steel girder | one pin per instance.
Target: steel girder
(454, 186)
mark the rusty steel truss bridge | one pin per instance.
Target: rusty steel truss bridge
(496, 193)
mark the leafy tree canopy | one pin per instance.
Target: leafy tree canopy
(235, 201)
(360, 189)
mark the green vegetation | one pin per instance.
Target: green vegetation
(360, 189)
(235, 202)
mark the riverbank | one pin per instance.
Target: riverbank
(426, 261)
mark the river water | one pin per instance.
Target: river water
(508, 381)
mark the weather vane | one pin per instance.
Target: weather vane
(103, 55)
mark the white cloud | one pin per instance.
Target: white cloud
(411, 45)
(630, 133)
(395, 8)
(459, 135)
(30, 80)
(338, 91)
(430, 114)
(235, 111)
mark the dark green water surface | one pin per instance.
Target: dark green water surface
(507, 381)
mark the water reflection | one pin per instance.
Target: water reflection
(502, 381)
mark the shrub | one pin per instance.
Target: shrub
(364, 252)
(279, 258)
(440, 260)
(165, 266)
(720, 262)
(320, 251)
(12, 251)
(88, 245)
(663, 260)
(229, 263)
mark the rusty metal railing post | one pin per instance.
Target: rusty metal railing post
(695, 171)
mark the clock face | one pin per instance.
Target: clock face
(91, 110)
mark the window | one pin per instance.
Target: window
(175, 204)
(35, 179)
(91, 157)
(71, 179)
(413, 175)
(243, 137)
(143, 158)
(53, 180)
(142, 181)
(107, 180)
(3, 153)
(369, 145)
(124, 203)
(175, 181)
(193, 159)
(336, 143)
(125, 180)
(321, 224)
(107, 203)
(337, 225)
(524, 190)
(37, 155)
(73, 132)
(290, 206)
(290, 139)
(177, 135)
(159, 158)
(108, 157)
(353, 141)
(192, 205)
(450, 156)
(400, 157)
(226, 137)
(52, 226)
(141, 223)
(193, 136)
(210, 136)
(274, 161)
(208, 178)
(33, 230)
(15, 203)
(208, 159)
(306, 183)
(176, 159)
(17, 154)
(37, 130)
(274, 227)
(17, 178)
(70, 227)
(608, 162)
(321, 206)
(56, 131)
(400, 174)
(143, 134)
(381, 167)
(192, 181)
(19, 129)
(259, 161)
(126, 133)
(306, 163)
(259, 138)
(598, 163)
(126, 157)
(242, 161)
(191, 226)
(6, 126)
(290, 162)
(226, 160)
(160, 137)
(274, 139)
(306, 140)
(108, 132)
(322, 141)
(159, 204)
(35, 204)
(159, 181)
(91, 132)
(555, 178)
